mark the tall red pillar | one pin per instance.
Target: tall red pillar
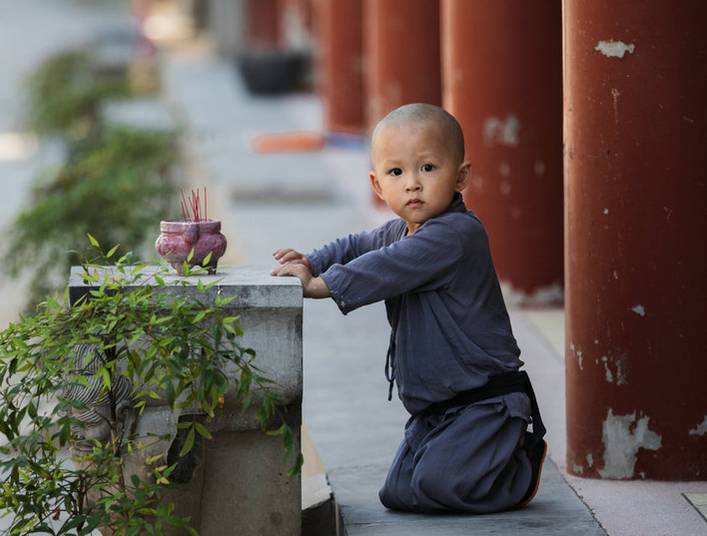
(341, 46)
(635, 160)
(402, 55)
(502, 65)
(263, 25)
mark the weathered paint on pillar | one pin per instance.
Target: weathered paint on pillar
(402, 55)
(296, 24)
(502, 65)
(635, 159)
(341, 24)
(263, 28)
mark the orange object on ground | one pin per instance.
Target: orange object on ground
(288, 142)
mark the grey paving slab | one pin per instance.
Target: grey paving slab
(553, 512)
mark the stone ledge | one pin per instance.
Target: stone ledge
(247, 284)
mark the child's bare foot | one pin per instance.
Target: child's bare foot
(537, 450)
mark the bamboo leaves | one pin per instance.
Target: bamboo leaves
(170, 349)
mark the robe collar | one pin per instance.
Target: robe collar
(457, 204)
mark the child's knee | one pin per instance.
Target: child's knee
(396, 497)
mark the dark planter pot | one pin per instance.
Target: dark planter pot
(274, 71)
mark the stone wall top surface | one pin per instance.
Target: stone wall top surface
(253, 287)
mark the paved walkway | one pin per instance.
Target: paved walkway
(353, 426)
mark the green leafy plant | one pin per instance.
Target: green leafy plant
(147, 345)
(116, 187)
(65, 95)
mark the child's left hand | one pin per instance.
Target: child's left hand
(296, 269)
(313, 287)
(283, 256)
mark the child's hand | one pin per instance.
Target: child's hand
(289, 255)
(295, 269)
(313, 287)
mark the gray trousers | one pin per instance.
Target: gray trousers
(465, 460)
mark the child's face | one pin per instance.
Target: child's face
(415, 172)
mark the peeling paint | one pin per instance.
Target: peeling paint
(539, 168)
(639, 310)
(503, 132)
(596, 341)
(577, 469)
(590, 459)
(620, 376)
(578, 354)
(606, 211)
(617, 375)
(504, 169)
(615, 96)
(668, 213)
(700, 429)
(616, 274)
(622, 436)
(505, 187)
(614, 49)
(607, 370)
(477, 182)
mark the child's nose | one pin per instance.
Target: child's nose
(412, 184)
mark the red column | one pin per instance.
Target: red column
(263, 29)
(502, 70)
(341, 27)
(402, 54)
(635, 160)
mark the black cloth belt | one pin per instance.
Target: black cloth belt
(498, 385)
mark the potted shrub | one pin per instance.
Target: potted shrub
(73, 380)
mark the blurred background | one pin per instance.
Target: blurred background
(585, 126)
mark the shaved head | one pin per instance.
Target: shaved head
(429, 114)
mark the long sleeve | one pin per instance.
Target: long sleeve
(345, 249)
(427, 259)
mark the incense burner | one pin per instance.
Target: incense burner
(178, 238)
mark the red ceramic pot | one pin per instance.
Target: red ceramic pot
(178, 238)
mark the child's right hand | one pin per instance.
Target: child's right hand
(283, 256)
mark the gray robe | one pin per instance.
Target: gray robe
(450, 332)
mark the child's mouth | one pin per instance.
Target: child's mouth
(414, 203)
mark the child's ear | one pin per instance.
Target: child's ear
(375, 184)
(463, 175)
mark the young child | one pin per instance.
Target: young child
(452, 352)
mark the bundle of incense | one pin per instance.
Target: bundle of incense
(191, 206)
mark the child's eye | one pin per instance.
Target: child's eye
(427, 167)
(395, 171)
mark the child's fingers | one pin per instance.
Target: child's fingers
(280, 252)
(290, 256)
(285, 269)
(283, 255)
(291, 269)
